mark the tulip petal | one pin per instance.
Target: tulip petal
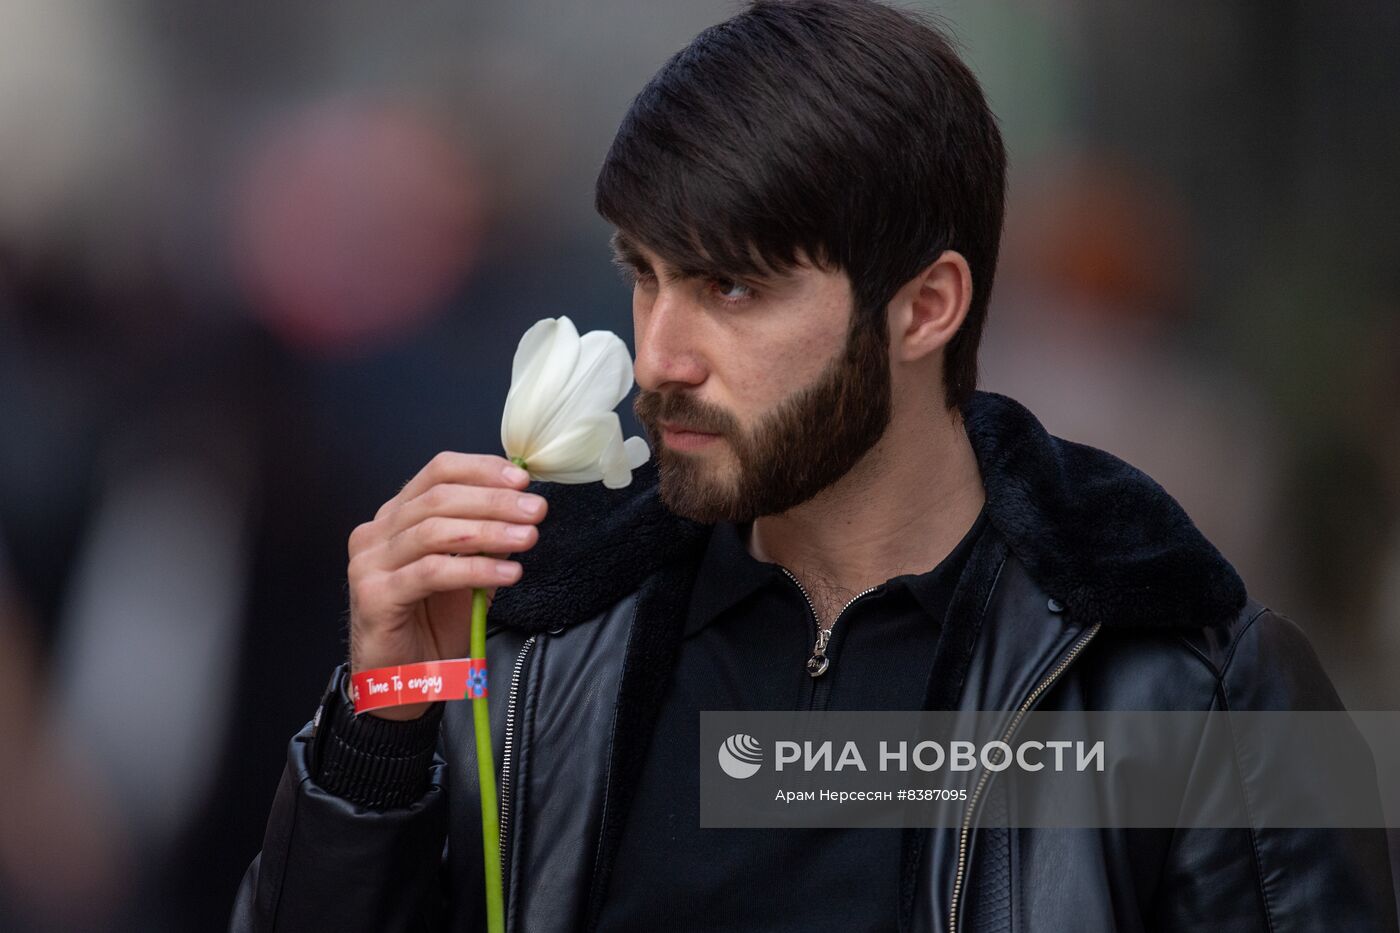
(576, 451)
(613, 465)
(559, 415)
(544, 362)
(601, 378)
(637, 452)
(621, 458)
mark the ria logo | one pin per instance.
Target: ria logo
(740, 756)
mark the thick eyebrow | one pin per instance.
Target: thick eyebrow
(625, 254)
(627, 257)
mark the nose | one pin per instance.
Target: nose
(667, 329)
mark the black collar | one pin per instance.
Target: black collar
(728, 573)
(1095, 532)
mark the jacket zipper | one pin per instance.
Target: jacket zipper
(505, 754)
(818, 663)
(985, 776)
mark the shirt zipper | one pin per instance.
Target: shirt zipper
(505, 754)
(819, 663)
(966, 831)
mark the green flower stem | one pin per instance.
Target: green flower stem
(486, 774)
(486, 769)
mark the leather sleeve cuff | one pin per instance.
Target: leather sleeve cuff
(375, 762)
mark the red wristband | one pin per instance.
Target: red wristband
(426, 682)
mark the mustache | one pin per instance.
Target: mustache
(651, 408)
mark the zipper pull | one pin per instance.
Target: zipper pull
(819, 662)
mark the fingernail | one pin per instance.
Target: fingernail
(507, 571)
(531, 505)
(514, 474)
(517, 533)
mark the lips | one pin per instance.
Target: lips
(680, 428)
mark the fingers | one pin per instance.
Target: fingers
(438, 573)
(452, 526)
(453, 500)
(452, 467)
(440, 535)
(451, 519)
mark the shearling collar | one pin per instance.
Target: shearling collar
(1095, 532)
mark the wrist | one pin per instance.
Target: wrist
(409, 687)
(406, 713)
(371, 760)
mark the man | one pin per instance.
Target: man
(808, 199)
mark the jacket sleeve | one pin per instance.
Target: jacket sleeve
(356, 833)
(1270, 878)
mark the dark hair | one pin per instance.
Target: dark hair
(844, 131)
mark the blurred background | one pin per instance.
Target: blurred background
(259, 261)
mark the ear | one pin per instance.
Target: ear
(926, 313)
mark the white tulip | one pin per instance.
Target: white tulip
(559, 422)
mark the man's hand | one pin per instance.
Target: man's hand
(412, 569)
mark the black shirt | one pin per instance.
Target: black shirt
(749, 633)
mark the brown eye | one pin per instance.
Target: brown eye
(731, 291)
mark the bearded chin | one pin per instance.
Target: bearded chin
(806, 444)
(690, 489)
(771, 477)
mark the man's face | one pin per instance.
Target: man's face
(780, 397)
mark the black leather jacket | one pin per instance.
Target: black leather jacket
(1091, 590)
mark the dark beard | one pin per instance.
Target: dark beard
(809, 441)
